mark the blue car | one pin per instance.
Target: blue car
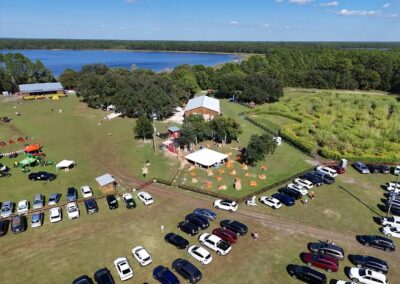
(164, 275)
(285, 199)
(206, 213)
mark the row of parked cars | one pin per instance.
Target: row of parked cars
(375, 168)
(19, 221)
(326, 256)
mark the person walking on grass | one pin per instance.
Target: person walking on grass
(312, 195)
(305, 202)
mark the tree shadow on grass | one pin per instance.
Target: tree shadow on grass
(358, 199)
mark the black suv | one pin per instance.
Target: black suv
(72, 194)
(291, 192)
(84, 279)
(103, 276)
(112, 202)
(370, 262)
(325, 177)
(317, 181)
(306, 274)
(235, 226)
(176, 240)
(377, 242)
(378, 168)
(187, 270)
(41, 176)
(4, 227)
(198, 220)
(91, 206)
(18, 224)
(188, 228)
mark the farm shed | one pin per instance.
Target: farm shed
(174, 132)
(206, 157)
(203, 105)
(107, 183)
(42, 89)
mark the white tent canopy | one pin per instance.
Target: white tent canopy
(206, 157)
(65, 164)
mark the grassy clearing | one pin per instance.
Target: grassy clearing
(357, 126)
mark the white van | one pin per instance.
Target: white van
(327, 170)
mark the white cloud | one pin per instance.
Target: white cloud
(300, 2)
(329, 4)
(122, 28)
(235, 23)
(264, 26)
(346, 12)
(386, 5)
(102, 26)
(279, 1)
(131, 1)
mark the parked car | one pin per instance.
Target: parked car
(72, 210)
(23, 207)
(234, 226)
(284, 198)
(7, 209)
(392, 186)
(103, 276)
(206, 213)
(306, 274)
(188, 227)
(226, 204)
(361, 167)
(41, 176)
(128, 199)
(396, 170)
(226, 235)
(326, 178)
(317, 181)
(18, 224)
(366, 276)
(271, 202)
(164, 275)
(391, 231)
(187, 270)
(383, 169)
(86, 191)
(391, 221)
(4, 227)
(38, 201)
(37, 220)
(322, 261)
(377, 242)
(141, 255)
(72, 194)
(327, 249)
(291, 192)
(55, 215)
(112, 202)
(84, 279)
(123, 268)
(176, 240)
(338, 169)
(54, 198)
(327, 170)
(145, 197)
(370, 262)
(302, 190)
(200, 254)
(198, 220)
(91, 206)
(303, 183)
(215, 243)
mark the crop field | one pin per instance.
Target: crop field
(362, 126)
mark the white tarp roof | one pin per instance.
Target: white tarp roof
(203, 101)
(105, 179)
(40, 87)
(206, 157)
(65, 164)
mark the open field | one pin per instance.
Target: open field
(337, 124)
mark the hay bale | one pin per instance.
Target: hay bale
(222, 187)
(194, 180)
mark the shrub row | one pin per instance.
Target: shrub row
(336, 155)
(307, 147)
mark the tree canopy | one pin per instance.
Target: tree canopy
(259, 146)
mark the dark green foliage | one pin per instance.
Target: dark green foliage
(224, 129)
(69, 79)
(143, 128)
(258, 147)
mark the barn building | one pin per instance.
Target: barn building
(42, 89)
(203, 105)
(174, 132)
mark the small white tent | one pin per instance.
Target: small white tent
(65, 164)
(206, 157)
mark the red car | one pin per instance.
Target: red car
(338, 169)
(325, 262)
(226, 235)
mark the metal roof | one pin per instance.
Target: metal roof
(105, 179)
(173, 129)
(203, 101)
(206, 157)
(40, 87)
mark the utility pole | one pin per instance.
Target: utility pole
(154, 117)
(393, 196)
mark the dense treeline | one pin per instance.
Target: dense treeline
(204, 46)
(17, 69)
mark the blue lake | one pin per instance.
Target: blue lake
(59, 60)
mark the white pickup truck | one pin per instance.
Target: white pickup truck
(215, 243)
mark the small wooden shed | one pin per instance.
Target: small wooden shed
(107, 183)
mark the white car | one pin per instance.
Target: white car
(344, 282)
(86, 191)
(392, 186)
(302, 190)
(391, 231)
(304, 183)
(22, 207)
(226, 204)
(123, 268)
(391, 221)
(72, 210)
(367, 276)
(145, 197)
(200, 254)
(141, 255)
(327, 170)
(271, 202)
(215, 243)
(396, 170)
(55, 215)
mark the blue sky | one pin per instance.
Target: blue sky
(263, 20)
